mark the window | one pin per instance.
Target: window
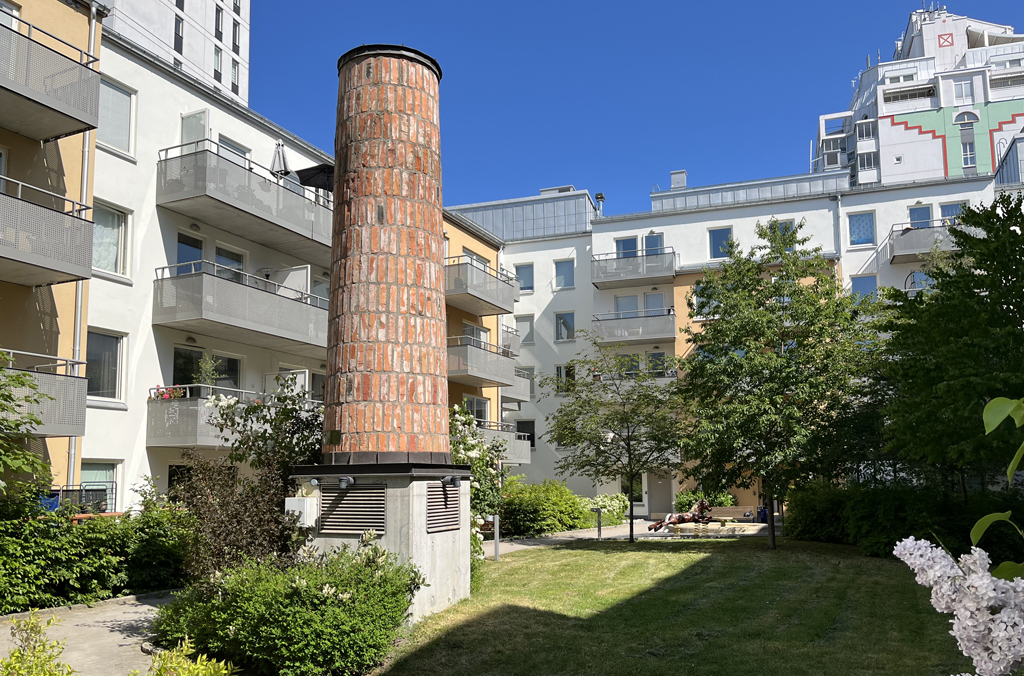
(786, 227)
(862, 229)
(720, 242)
(524, 273)
(115, 117)
(565, 274)
(1012, 63)
(98, 481)
(629, 365)
(702, 307)
(965, 120)
(236, 31)
(896, 79)
(230, 264)
(318, 387)
(951, 213)
(963, 92)
(637, 494)
(864, 286)
(919, 281)
(186, 366)
(524, 325)
(967, 151)
(180, 4)
(899, 95)
(234, 76)
(217, 58)
(625, 248)
(103, 365)
(531, 372)
(232, 151)
(475, 332)
(109, 239)
(897, 159)
(1007, 82)
(477, 406)
(564, 375)
(867, 161)
(921, 217)
(179, 34)
(654, 304)
(867, 130)
(190, 250)
(229, 372)
(476, 259)
(657, 364)
(218, 23)
(565, 325)
(238, 7)
(529, 428)
(626, 307)
(654, 244)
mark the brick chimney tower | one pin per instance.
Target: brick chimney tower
(387, 380)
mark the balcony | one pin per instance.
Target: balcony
(636, 327)
(909, 241)
(43, 237)
(475, 363)
(477, 288)
(63, 413)
(517, 445)
(220, 302)
(630, 268)
(47, 88)
(520, 389)
(203, 181)
(178, 416)
(510, 340)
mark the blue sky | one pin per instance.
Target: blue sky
(607, 96)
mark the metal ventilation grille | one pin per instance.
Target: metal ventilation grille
(442, 507)
(353, 510)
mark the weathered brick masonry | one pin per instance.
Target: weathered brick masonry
(387, 387)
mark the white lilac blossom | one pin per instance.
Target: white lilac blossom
(988, 613)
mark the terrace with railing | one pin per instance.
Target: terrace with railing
(477, 363)
(62, 410)
(635, 327)
(477, 288)
(908, 242)
(629, 268)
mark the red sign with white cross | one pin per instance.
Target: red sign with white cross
(946, 40)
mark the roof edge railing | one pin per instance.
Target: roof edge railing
(239, 277)
(84, 58)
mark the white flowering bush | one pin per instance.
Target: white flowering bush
(613, 507)
(469, 447)
(987, 606)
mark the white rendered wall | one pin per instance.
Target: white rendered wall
(125, 306)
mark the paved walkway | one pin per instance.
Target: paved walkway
(104, 640)
(622, 533)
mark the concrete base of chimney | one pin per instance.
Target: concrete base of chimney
(443, 557)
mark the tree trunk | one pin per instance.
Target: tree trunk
(771, 521)
(963, 485)
(631, 508)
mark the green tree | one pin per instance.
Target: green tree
(777, 358)
(24, 474)
(618, 417)
(959, 345)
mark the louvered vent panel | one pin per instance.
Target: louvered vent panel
(353, 510)
(442, 507)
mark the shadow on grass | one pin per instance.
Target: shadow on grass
(715, 607)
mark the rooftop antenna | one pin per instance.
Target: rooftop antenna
(879, 59)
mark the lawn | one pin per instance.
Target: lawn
(687, 607)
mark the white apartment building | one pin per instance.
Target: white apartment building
(892, 175)
(182, 177)
(206, 39)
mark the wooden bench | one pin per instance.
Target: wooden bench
(734, 513)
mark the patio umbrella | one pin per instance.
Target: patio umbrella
(321, 176)
(279, 165)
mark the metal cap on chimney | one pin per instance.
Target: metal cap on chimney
(678, 178)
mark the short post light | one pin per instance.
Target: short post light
(598, 511)
(495, 519)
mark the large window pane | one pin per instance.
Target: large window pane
(103, 363)
(524, 325)
(565, 274)
(107, 239)
(920, 217)
(862, 229)
(115, 117)
(529, 428)
(720, 242)
(951, 213)
(565, 323)
(190, 250)
(626, 306)
(524, 273)
(229, 372)
(229, 264)
(625, 248)
(864, 286)
(186, 365)
(654, 244)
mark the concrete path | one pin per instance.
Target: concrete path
(104, 640)
(622, 533)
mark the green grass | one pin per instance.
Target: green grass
(687, 607)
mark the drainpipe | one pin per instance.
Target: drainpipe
(79, 285)
(836, 222)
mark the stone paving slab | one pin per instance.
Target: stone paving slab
(104, 640)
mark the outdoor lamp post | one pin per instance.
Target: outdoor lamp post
(495, 519)
(598, 510)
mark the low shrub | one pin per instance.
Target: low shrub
(614, 507)
(534, 509)
(182, 661)
(336, 613)
(33, 653)
(685, 500)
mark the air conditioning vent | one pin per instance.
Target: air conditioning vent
(442, 507)
(352, 510)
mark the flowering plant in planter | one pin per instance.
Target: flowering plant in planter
(987, 606)
(170, 392)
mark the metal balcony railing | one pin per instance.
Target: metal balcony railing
(520, 389)
(62, 412)
(220, 301)
(192, 174)
(477, 363)
(97, 497)
(908, 241)
(181, 415)
(44, 237)
(477, 288)
(510, 340)
(635, 326)
(625, 268)
(56, 90)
